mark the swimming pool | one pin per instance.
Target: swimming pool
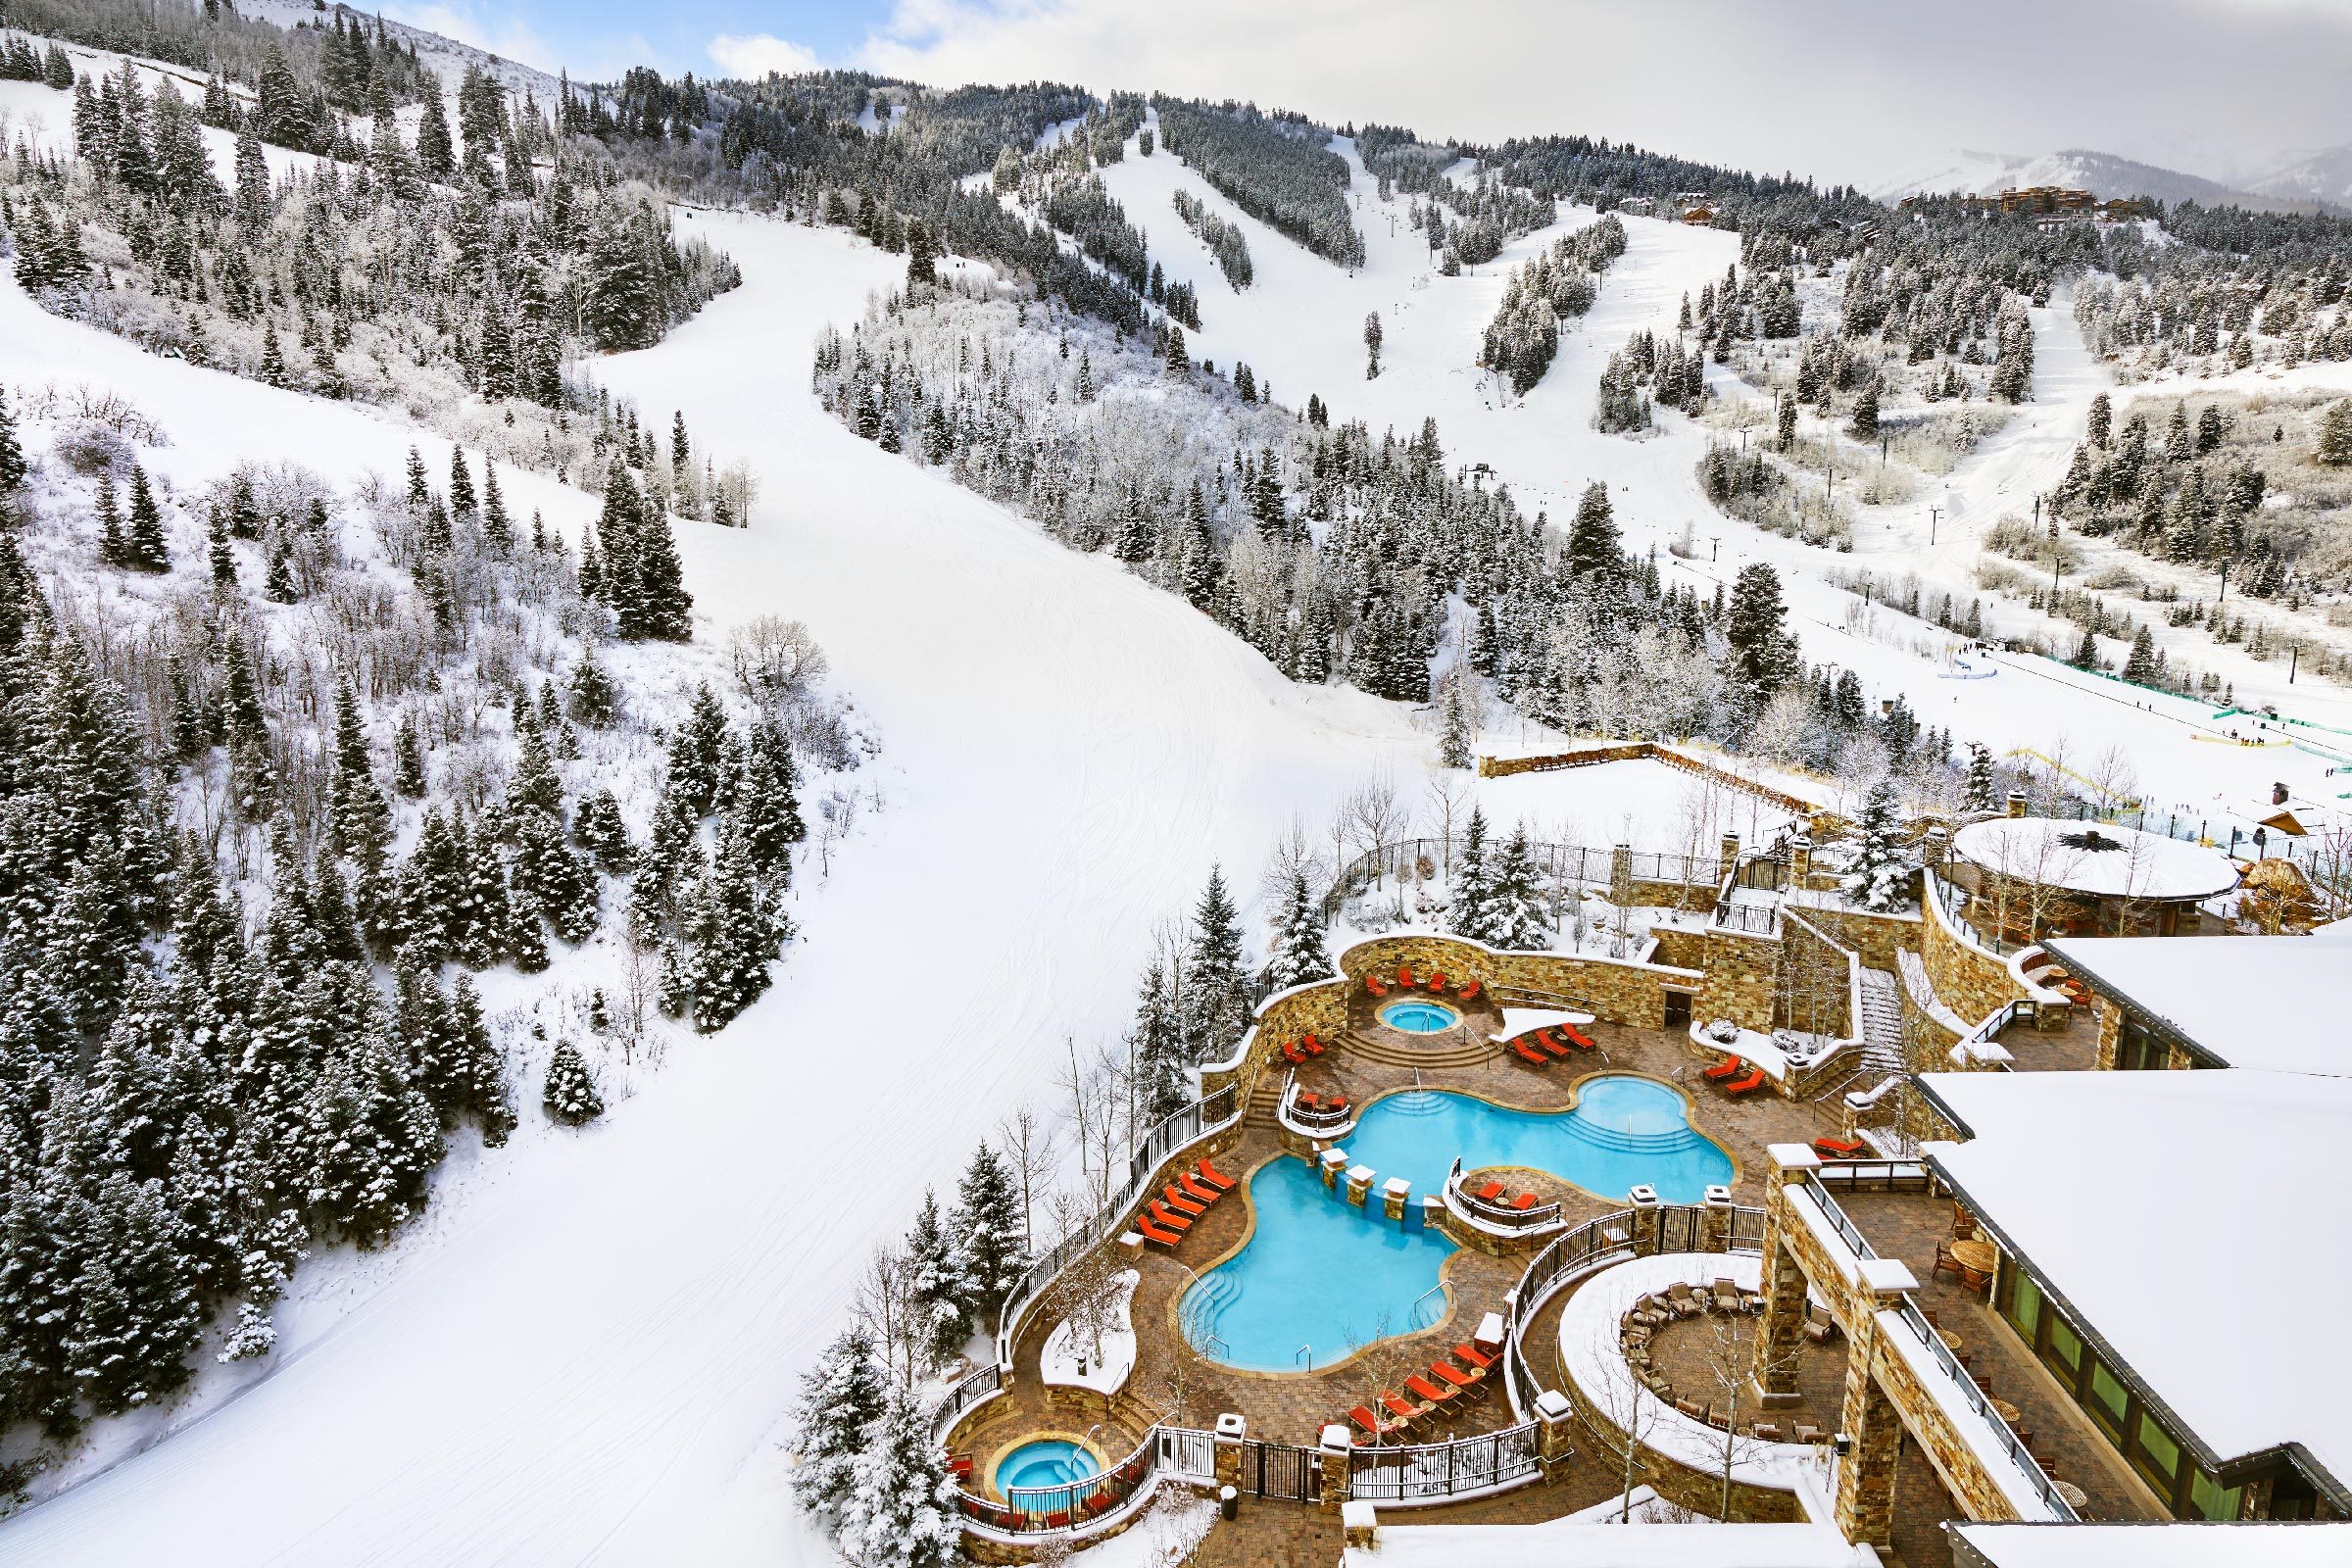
(1419, 1017)
(1320, 1278)
(1047, 1462)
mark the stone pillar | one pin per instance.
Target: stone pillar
(1331, 1164)
(2015, 804)
(1358, 1522)
(1230, 1431)
(1621, 875)
(1715, 1221)
(1334, 1455)
(1800, 861)
(2111, 1034)
(1866, 1473)
(1726, 858)
(1935, 846)
(1782, 1331)
(1553, 1415)
(1359, 1184)
(1644, 1201)
(1395, 1194)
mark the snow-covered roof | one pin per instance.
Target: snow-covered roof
(2186, 1545)
(2095, 858)
(2277, 1004)
(2173, 1213)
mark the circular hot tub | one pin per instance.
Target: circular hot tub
(1416, 1017)
(1046, 1462)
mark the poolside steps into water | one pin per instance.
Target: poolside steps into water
(1467, 1054)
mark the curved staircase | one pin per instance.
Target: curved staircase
(1462, 1051)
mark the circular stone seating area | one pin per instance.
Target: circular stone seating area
(1651, 1312)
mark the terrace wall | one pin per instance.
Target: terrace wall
(1971, 978)
(1619, 989)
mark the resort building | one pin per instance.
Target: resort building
(1767, 1209)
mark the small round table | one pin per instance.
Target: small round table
(1952, 1341)
(2075, 1497)
(2007, 1411)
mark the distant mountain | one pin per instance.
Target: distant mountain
(2323, 176)
(445, 56)
(2104, 174)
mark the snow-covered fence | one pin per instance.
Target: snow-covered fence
(984, 1384)
(1074, 1506)
(1441, 1472)
(1203, 1118)
(1564, 864)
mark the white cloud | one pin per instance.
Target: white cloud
(751, 57)
(1840, 88)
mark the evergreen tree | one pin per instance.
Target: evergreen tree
(1219, 1009)
(143, 549)
(1592, 540)
(840, 1398)
(738, 935)
(1977, 790)
(1865, 425)
(1525, 925)
(2335, 435)
(2086, 652)
(570, 1095)
(2142, 666)
(987, 1225)
(901, 1508)
(1301, 955)
(1474, 906)
(435, 154)
(1455, 739)
(1881, 877)
(13, 468)
(1763, 656)
(938, 1285)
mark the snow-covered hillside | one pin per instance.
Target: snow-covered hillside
(1967, 171)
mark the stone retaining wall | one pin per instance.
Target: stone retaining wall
(1969, 979)
(1620, 990)
(1742, 971)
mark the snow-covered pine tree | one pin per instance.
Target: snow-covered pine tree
(987, 1224)
(901, 1508)
(1977, 789)
(1301, 954)
(840, 1398)
(1881, 876)
(570, 1095)
(1456, 741)
(1525, 922)
(1473, 908)
(1217, 1009)
(940, 1285)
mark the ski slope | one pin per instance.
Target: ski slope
(587, 1361)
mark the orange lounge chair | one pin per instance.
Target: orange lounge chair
(1437, 983)
(1838, 1147)
(1307, 1102)
(1197, 1191)
(1577, 1037)
(1527, 1053)
(1488, 1193)
(1311, 1046)
(1725, 1068)
(1755, 1077)
(1554, 1043)
(1474, 1356)
(1406, 1414)
(1167, 1218)
(1524, 1201)
(1181, 1203)
(1211, 1175)
(1372, 1423)
(1469, 990)
(1152, 1233)
(1455, 1378)
(1404, 977)
(1373, 985)
(1290, 1054)
(1437, 1399)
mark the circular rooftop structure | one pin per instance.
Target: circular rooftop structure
(2094, 859)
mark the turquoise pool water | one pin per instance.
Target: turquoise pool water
(1321, 1275)
(1047, 1462)
(1419, 1017)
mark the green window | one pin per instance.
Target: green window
(2065, 1354)
(2210, 1500)
(2157, 1456)
(2108, 1398)
(2025, 1307)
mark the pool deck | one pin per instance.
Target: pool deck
(1175, 1383)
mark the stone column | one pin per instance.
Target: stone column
(1866, 1474)
(1726, 858)
(1230, 1431)
(1782, 1331)
(1800, 861)
(2015, 804)
(1715, 1221)
(1553, 1414)
(1644, 1201)
(1334, 1455)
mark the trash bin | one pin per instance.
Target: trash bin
(1229, 1501)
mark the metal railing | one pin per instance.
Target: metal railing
(1971, 1397)
(1535, 1217)
(1211, 1114)
(963, 1397)
(1072, 1505)
(1954, 902)
(1434, 1472)
(1591, 865)
(1757, 919)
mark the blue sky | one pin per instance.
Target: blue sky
(597, 38)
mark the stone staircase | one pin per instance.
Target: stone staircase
(1881, 1026)
(1461, 1051)
(1265, 1105)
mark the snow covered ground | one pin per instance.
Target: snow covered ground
(591, 1352)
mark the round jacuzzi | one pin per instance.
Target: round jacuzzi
(1047, 1462)
(1419, 1017)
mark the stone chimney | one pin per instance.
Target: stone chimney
(1800, 861)
(2278, 795)
(1729, 857)
(2017, 802)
